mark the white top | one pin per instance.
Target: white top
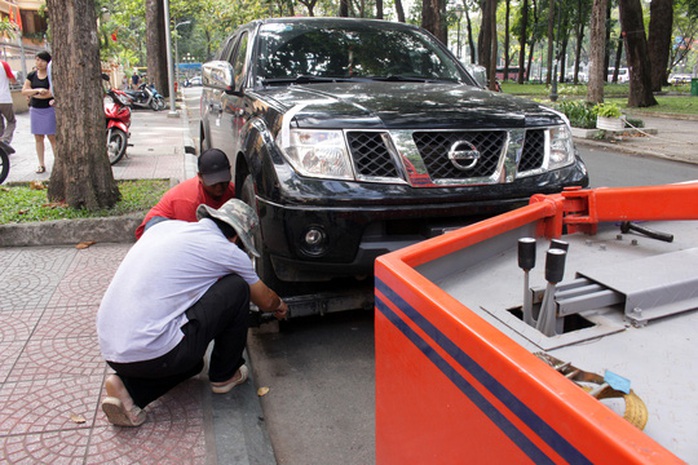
(165, 272)
(5, 77)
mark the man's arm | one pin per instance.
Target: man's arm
(267, 300)
(8, 72)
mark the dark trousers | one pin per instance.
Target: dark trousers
(221, 315)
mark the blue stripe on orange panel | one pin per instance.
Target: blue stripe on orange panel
(525, 414)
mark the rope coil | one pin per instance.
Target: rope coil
(635, 409)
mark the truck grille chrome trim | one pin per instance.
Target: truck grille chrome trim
(445, 157)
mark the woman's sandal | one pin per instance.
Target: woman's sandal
(41, 169)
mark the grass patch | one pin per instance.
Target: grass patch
(679, 101)
(21, 203)
(542, 91)
(668, 104)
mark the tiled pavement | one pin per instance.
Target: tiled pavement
(52, 374)
(51, 371)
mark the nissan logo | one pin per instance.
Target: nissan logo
(463, 155)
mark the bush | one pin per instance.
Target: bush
(580, 113)
(607, 110)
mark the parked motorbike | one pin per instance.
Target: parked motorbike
(118, 116)
(146, 96)
(5, 151)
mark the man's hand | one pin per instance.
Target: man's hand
(267, 300)
(281, 311)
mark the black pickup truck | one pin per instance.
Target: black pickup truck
(353, 137)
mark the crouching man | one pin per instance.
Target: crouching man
(181, 286)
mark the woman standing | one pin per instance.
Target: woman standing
(41, 112)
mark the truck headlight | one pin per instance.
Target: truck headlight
(561, 147)
(319, 154)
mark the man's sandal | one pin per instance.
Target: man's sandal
(238, 378)
(119, 416)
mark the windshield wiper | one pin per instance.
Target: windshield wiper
(399, 78)
(302, 79)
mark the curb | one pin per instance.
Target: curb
(630, 150)
(119, 229)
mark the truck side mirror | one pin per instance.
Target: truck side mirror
(218, 75)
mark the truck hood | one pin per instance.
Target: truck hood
(390, 105)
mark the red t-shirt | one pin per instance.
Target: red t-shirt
(180, 202)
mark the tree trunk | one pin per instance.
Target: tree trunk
(343, 8)
(522, 41)
(506, 41)
(156, 58)
(400, 11)
(433, 18)
(493, 45)
(607, 51)
(81, 174)
(580, 38)
(616, 62)
(562, 54)
(659, 41)
(379, 9)
(551, 39)
(640, 94)
(597, 51)
(484, 43)
(471, 41)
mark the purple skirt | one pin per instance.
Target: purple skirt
(43, 120)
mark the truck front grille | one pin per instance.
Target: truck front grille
(533, 152)
(376, 159)
(434, 148)
(371, 156)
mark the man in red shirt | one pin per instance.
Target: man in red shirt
(7, 114)
(211, 186)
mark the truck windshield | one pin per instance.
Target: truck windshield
(288, 50)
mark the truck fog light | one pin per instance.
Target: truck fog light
(314, 241)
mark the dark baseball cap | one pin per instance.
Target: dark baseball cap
(214, 167)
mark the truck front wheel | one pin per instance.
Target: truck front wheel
(262, 264)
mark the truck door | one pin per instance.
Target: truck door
(234, 113)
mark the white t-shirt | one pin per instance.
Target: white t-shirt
(165, 272)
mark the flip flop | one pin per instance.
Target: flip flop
(41, 169)
(117, 414)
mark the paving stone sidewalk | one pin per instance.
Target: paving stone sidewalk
(51, 371)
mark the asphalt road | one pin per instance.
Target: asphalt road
(320, 371)
(613, 169)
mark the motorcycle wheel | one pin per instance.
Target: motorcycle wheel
(117, 141)
(158, 104)
(4, 166)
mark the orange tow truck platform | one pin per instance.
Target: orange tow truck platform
(561, 332)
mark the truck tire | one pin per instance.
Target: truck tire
(262, 264)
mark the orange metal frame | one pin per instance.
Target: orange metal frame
(452, 389)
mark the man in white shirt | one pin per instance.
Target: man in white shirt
(181, 286)
(7, 120)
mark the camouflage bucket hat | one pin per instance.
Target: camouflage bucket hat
(237, 214)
